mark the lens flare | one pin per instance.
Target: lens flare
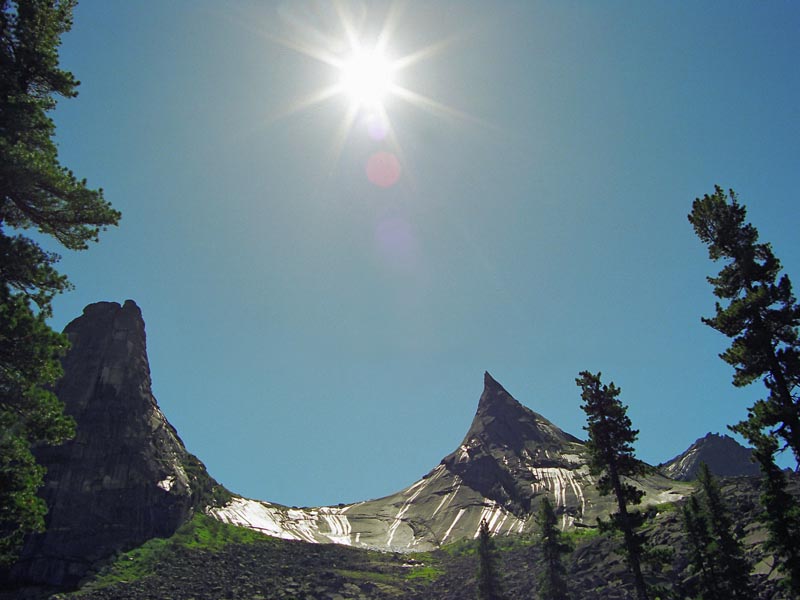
(383, 169)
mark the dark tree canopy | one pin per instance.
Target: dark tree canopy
(727, 574)
(611, 455)
(762, 316)
(553, 575)
(488, 583)
(698, 536)
(36, 193)
(781, 513)
(763, 319)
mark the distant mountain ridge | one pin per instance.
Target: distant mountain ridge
(724, 456)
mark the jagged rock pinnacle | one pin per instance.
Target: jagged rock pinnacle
(504, 441)
(126, 476)
(501, 420)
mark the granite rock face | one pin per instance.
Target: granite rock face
(724, 456)
(126, 476)
(509, 460)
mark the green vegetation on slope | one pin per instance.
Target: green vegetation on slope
(200, 533)
(282, 563)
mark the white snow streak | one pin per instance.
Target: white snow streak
(338, 524)
(496, 517)
(291, 524)
(421, 485)
(448, 498)
(559, 481)
(460, 514)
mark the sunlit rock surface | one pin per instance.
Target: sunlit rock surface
(126, 477)
(724, 456)
(509, 460)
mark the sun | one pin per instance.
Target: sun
(366, 78)
(365, 72)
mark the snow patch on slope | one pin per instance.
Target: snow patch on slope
(325, 524)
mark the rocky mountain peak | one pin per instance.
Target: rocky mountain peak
(506, 446)
(495, 399)
(502, 422)
(724, 456)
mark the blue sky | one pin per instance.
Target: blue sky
(316, 338)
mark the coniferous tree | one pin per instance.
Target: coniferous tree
(488, 584)
(553, 577)
(610, 445)
(762, 315)
(724, 552)
(763, 318)
(36, 192)
(695, 524)
(781, 513)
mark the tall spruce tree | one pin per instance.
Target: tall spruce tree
(36, 192)
(695, 524)
(763, 318)
(725, 557)
(781, 513)
(611, 456)
(488, 583)
(553, 576)
(762, 315)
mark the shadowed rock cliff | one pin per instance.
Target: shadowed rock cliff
(126, 477)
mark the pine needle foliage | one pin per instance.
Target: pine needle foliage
(36, 192)
(717, 554)
(553, 577)
(762, 316)
(611, 456)
(781, 515)
(695, 524)
(763, 319)
(488, 582)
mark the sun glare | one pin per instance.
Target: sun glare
(366, 78)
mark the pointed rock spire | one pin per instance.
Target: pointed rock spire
(126, 476)
(505, 441)
(502, 421)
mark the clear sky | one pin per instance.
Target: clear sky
(318, 332)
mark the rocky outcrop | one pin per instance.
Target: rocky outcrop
(510, 458)
(126, 476)
(724, 456)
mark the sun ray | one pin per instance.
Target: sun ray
(389, 25)
(436, 108)
(317, 97)
(424, 53)
(317, 52)
(350, 29)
